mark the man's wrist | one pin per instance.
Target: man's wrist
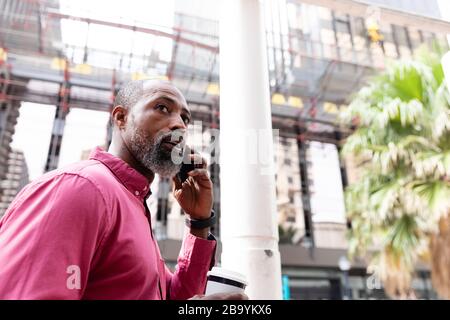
(201, 224)
(203, 216)
(200, 233)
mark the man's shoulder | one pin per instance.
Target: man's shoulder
(92, 174)
(65, 193)
(92, 170)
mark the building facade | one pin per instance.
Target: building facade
(319, 52)
(14, 180)
(318, 56)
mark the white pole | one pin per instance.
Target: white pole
(249, 230)
(445, 14)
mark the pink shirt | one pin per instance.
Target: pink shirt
(83, 232)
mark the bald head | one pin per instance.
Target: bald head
(130, 93)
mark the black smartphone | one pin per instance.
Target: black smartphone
(183, 173)
(189, 166)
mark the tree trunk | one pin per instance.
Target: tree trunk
(440, 258)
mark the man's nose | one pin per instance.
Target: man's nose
(177, 123)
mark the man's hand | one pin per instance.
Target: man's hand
(221, 296)
(195, 195)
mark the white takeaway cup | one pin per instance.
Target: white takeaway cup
(222, 280)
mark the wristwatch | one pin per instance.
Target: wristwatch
(201, 224)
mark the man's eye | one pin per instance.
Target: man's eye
(162, 107)
(186, 120)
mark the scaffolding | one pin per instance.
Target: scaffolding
(311, 78)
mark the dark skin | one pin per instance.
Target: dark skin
(163, 109)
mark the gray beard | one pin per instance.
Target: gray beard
(152, 155)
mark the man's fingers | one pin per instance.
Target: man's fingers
(238, 296)
(201, 178)
(189, 184)
(177, 182)
(197, 297)
(186, 184)
(198, 160)
(225, 296)
(199, 172)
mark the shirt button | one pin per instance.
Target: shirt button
(136, 193)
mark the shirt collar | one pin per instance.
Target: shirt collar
(135, 182)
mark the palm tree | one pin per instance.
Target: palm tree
(399, 209)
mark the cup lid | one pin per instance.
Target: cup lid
(228, 274)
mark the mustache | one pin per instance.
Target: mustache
(174, 137)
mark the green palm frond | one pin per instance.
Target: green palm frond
(403, 238)
(404, 80)
(434, 163)
(436, 193)
(403, 135)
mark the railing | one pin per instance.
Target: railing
(313, 49)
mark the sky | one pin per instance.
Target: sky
(85, 129)
(149, 13)
(444, 6)
(32, 135)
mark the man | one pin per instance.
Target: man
(84, 231)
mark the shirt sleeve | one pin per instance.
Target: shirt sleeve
(48, 239)
(196, 258)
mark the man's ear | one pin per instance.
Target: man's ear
(119, 116)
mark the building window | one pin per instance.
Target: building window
(291, 198)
